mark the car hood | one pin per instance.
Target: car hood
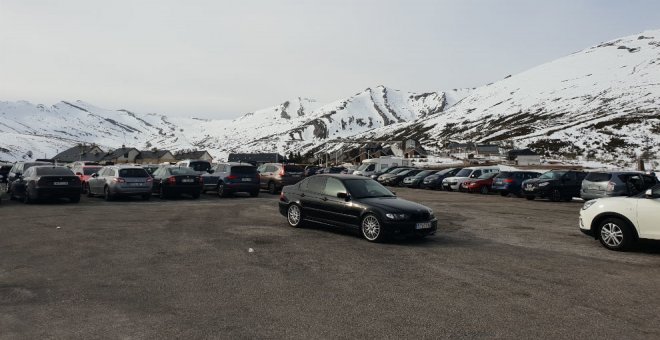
(394, 204)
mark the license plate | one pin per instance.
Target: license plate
(60, 183)
(247, 179)
(187, 180)
(135, 184)
(424, 225)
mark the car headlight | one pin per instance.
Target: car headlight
(587, 204)
(543, 184)
(396, 217)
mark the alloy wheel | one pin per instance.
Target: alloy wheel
(611, 234)
(294, 215)
(371, 228)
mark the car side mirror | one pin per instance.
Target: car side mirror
(210, 171)
(79, 174)
(94, 175)
(344, 195)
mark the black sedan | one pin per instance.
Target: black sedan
(355, 202)
(174, 180)
(398, 178)
(46, 181)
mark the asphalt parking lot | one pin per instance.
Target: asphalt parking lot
(498, 268)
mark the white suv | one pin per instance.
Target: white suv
(618, 222)
(454, 183)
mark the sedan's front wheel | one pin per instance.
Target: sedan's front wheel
(294, 215)
(372, 229)
(615, 234)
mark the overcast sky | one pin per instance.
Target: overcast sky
(219, 59)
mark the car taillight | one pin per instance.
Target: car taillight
(232, 177)
(508, 180)
(282, 173)
(119, 180)
(171, 180)
(282, 197)
(610, 186)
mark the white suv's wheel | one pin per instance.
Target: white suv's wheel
(615, 234)
(294, 215)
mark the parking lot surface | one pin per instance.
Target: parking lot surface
(232, 268)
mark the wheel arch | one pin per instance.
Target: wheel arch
(595, 223)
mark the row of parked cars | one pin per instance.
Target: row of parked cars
(31, 181)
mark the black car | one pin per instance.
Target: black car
(4, 172)
(355, 202)
(311, 170)
(398, 178)
(416, 180)
(18, 169)
(172, 181)
(46, 181)
(557, 185)
(510, 182)
(435, 181)
(377, 174)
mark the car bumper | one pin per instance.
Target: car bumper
(283, 208)
(242, 187)
(409, 228)
(184, 190)
(585, 229)
(131, 191)
(57, 192)
(539, 192)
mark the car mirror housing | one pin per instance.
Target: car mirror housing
(344, 195)
(210, 171)
(95, 175)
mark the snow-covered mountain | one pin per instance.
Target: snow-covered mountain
(28, 129)
(603, 101)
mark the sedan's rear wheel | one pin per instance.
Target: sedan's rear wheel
(530, 197)
(221, 190)
(615, 234)
(504, 193)
(87, 191)
(484, 190)
(371, 228)
(294, 215)
(271, 188)
(555, 196)
(106, 194)
(27, 199)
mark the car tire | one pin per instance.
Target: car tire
(221, 190)
(196, 195)
(555, 196)
(162, 194)
(74, 199)
(87, 191)
(615, 234)
(272, 189)
(450, 189)
(484, 190)
(530, 197)
(27, 199)
(254, 193)
(294, 215)
(106, 194)
(146, 197)
(504, 193)
(372, 228)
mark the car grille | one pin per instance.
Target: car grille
(420, 216)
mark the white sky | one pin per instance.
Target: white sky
(219, 59)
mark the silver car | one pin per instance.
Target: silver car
(120, 180)
(615, 183)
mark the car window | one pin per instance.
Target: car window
(316, 184)
(200, 165)
(28, 173)
(649, 181)
(90, 170)
(243, 170)
(464, 173)
(177, 171)
(132, 173)
(56, 171)
(475, 174)
(365, 188)
(598, 177)
(333, 186)
(570, 176)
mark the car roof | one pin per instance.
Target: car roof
(343, 176)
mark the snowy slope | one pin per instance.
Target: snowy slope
(603, 101)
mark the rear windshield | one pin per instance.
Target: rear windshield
(181, 171)
(504, 174)
(552, 175)
(59, 171)
(293, 168)
(133, 173)
(88, 170)
(244, 170)
(200, 166)
(598, 177)
(29, 165)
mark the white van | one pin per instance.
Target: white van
(454, 183)
(199, 165)
(374, 165)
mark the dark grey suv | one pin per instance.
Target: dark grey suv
(615, 183)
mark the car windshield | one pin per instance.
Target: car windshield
(200, 166)
(398, 170)
(133, 173)
(552, 175)
(57, 171)
(88, 170)
(464, 173)
(181, 171)
(442, 172)
(364, 166)
(366, 188)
